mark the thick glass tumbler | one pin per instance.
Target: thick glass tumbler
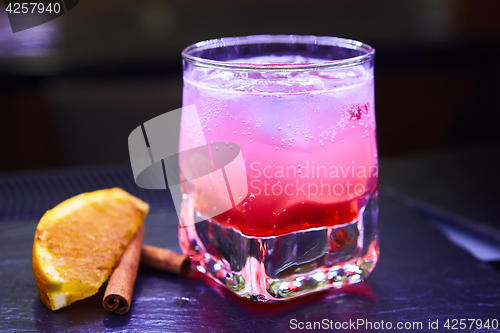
(302, 214)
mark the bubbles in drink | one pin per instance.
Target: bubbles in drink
(311, 106)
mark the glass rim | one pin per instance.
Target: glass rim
(282, 39)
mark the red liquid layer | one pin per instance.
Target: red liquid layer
(259, 221)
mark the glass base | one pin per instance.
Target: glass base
(272, 269)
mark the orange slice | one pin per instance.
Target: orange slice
(79, 242)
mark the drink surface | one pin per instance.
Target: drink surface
(307, 139)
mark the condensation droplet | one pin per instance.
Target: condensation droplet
(251, 197)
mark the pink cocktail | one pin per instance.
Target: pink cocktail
(301, 110)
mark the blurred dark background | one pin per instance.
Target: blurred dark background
(74, 88)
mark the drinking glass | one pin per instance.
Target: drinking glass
(289, 206)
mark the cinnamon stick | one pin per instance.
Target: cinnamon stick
(120, 287)
(165, 260)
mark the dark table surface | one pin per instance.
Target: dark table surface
(459, 185)
(420, 276)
